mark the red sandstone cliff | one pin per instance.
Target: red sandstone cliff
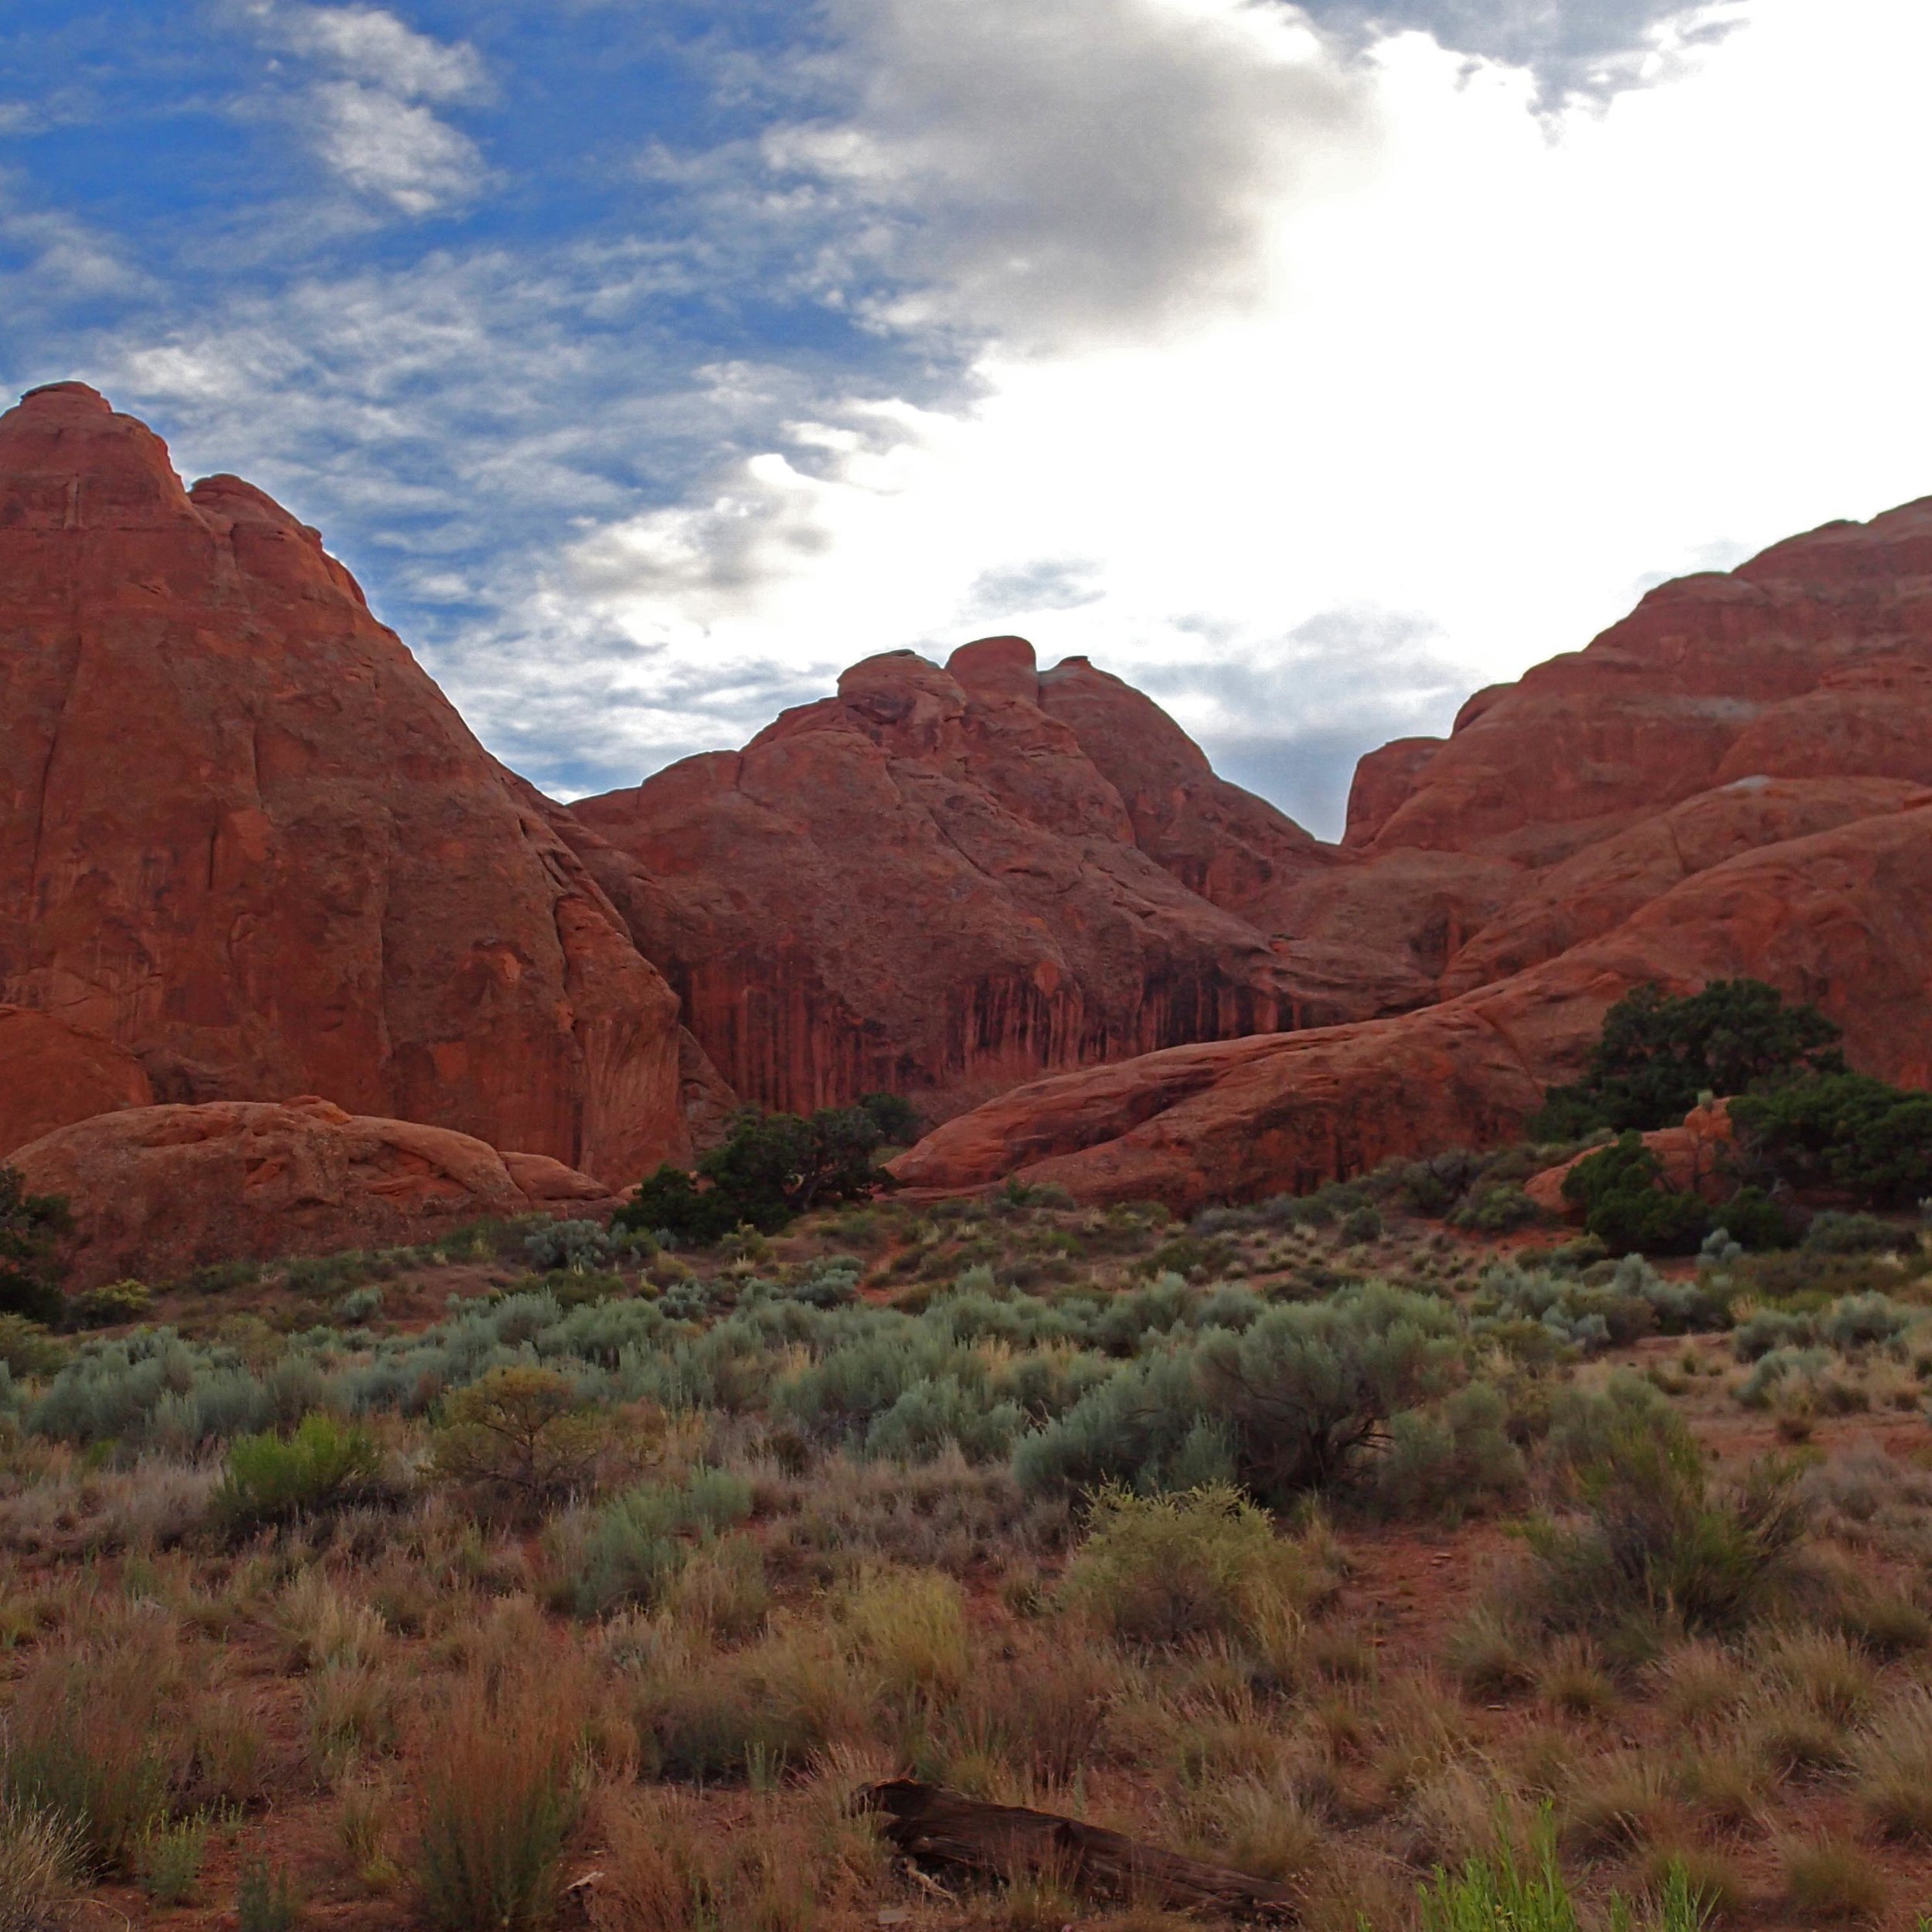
(1729, 782)
(243, 836)
(943, 881)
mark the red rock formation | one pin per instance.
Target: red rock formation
(1605, 883)
(1843, 917)
(52, 1074)
(156, 1190)
(931, 883)
(1798, 664)
(1727, 782)
(1383, 781)
(243, 835)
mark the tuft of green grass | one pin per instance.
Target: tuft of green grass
(267, 1900)
(168, 1859)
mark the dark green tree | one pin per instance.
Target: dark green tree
(30, 1225)
(772, 1167)
(1658, 1053)
(895, 1117)
(1844, 1132)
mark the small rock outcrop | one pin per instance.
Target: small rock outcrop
(158, 1191)
(1691, 1158)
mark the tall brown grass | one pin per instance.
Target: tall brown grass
(499, 1802)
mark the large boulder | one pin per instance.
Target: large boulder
(934, 883)
(157, 1191)
(244, 836)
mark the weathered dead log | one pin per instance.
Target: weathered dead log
(1008, 1842)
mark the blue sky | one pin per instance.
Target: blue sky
(650, 361)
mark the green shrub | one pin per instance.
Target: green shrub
(324, 1465)
(1845, 1131)
(1654, 1546)
(1168, 1570)
(30, 1225)
(1144, 1426)
(1452, 1460)
(1862, 1321)
(1364, 1224)
(168, 1859)
(265, 1900)
(1659, 1054)
(637, 1543)
(1433, 1186)
(1308, 1388)
(109, 1306)
(521, 1433)
(895, 1117)
(1753, 1219)
(27, 1349)
(1832, 1233)
(1500, 1208)
(1626, 1205)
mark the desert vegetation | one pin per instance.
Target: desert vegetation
(1396, 1551)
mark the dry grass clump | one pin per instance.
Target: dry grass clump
(1618, 1802)
(1893, 1761)
(40, 1866)
(86, 1742)
(498, 1800)
(1831, 1881)
(1725, 1786)
(1166, 1570)
(663, 1865)
(1573, 1680)
(1487, 1657)
(1040, 1715)
(1823, 1670)
(1700, 1683)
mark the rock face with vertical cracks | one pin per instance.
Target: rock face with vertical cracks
(1732, 782)
(244, 837)
(946, 881)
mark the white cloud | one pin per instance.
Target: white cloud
(1501, 377)
(370, 124)
(377, 48)
(1091, 167)
(384, 146)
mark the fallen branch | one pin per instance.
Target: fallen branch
(1008, 1842)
